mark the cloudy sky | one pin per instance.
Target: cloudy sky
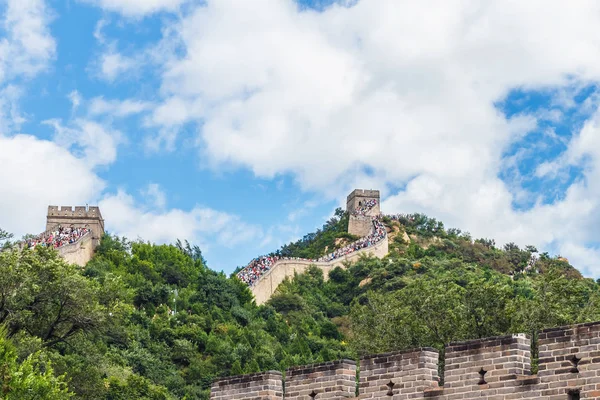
(241, 125)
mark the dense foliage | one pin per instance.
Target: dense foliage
(439, 286)
(32, 378)
(145, 321)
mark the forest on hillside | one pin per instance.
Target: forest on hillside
(146, 321)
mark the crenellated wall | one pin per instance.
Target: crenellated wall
(363, 208)
(358, 196)
(331, 380)
(361, 225)
(88, 217)
(79, 217)
(261, 386)
(405, 373)
(495, 368)
(266, 286)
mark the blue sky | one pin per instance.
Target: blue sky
(242, 127)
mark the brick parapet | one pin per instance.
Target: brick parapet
(287, 268)
(569, 368)
(260, 386)
(331, 380)
(359, 195)
(497, 359)
(405, 373)
(77, 211)
(80, 217)
(569, 359)
(363, 193)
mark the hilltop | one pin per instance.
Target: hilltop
(154, 321)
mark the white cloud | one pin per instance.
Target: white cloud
(117, 108)
(568, 226)
(137, 8)
(10, 114)
(36, 173)
(388, 94)
(98, 34)
(302, 211)
(92, 142)
(27, 45)
(201, 225)
(114, 65)
(75, 99)
(155, 195)
(175, 111)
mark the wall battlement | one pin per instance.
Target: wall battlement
(267, 284)
(359, 225)
(363, 193)
(357, 198)
(497, 368)
(88, 217)
(77, 211)
(331, 380)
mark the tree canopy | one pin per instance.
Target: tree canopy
(146, 321)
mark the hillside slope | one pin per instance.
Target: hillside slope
(153, 321)
(439, 285)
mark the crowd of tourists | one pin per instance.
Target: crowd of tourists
(57, 238)
(374, 237)
(256, 269)
(365, 207)
(259, 266)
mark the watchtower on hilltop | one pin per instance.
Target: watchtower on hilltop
(79, 217)
(362, 205)
(360, 197)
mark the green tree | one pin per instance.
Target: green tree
(46, 297)
(5, 239)
(31, 379)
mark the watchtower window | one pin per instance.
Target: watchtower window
(360, 203)
(574, 394)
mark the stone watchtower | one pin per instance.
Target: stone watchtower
(78, 217)
(361, 224)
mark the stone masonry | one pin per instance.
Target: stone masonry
(359, 196)
(331, 380)
(403, 374)
(79, 217)
(361, 225)
(268, 283)
(497, 368)
(261, 386)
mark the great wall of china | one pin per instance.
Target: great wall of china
(362, 206)
(89, 218)
(496, 368)
(363, 209)
(267, 284)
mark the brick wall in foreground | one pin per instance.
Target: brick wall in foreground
(494, 369)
